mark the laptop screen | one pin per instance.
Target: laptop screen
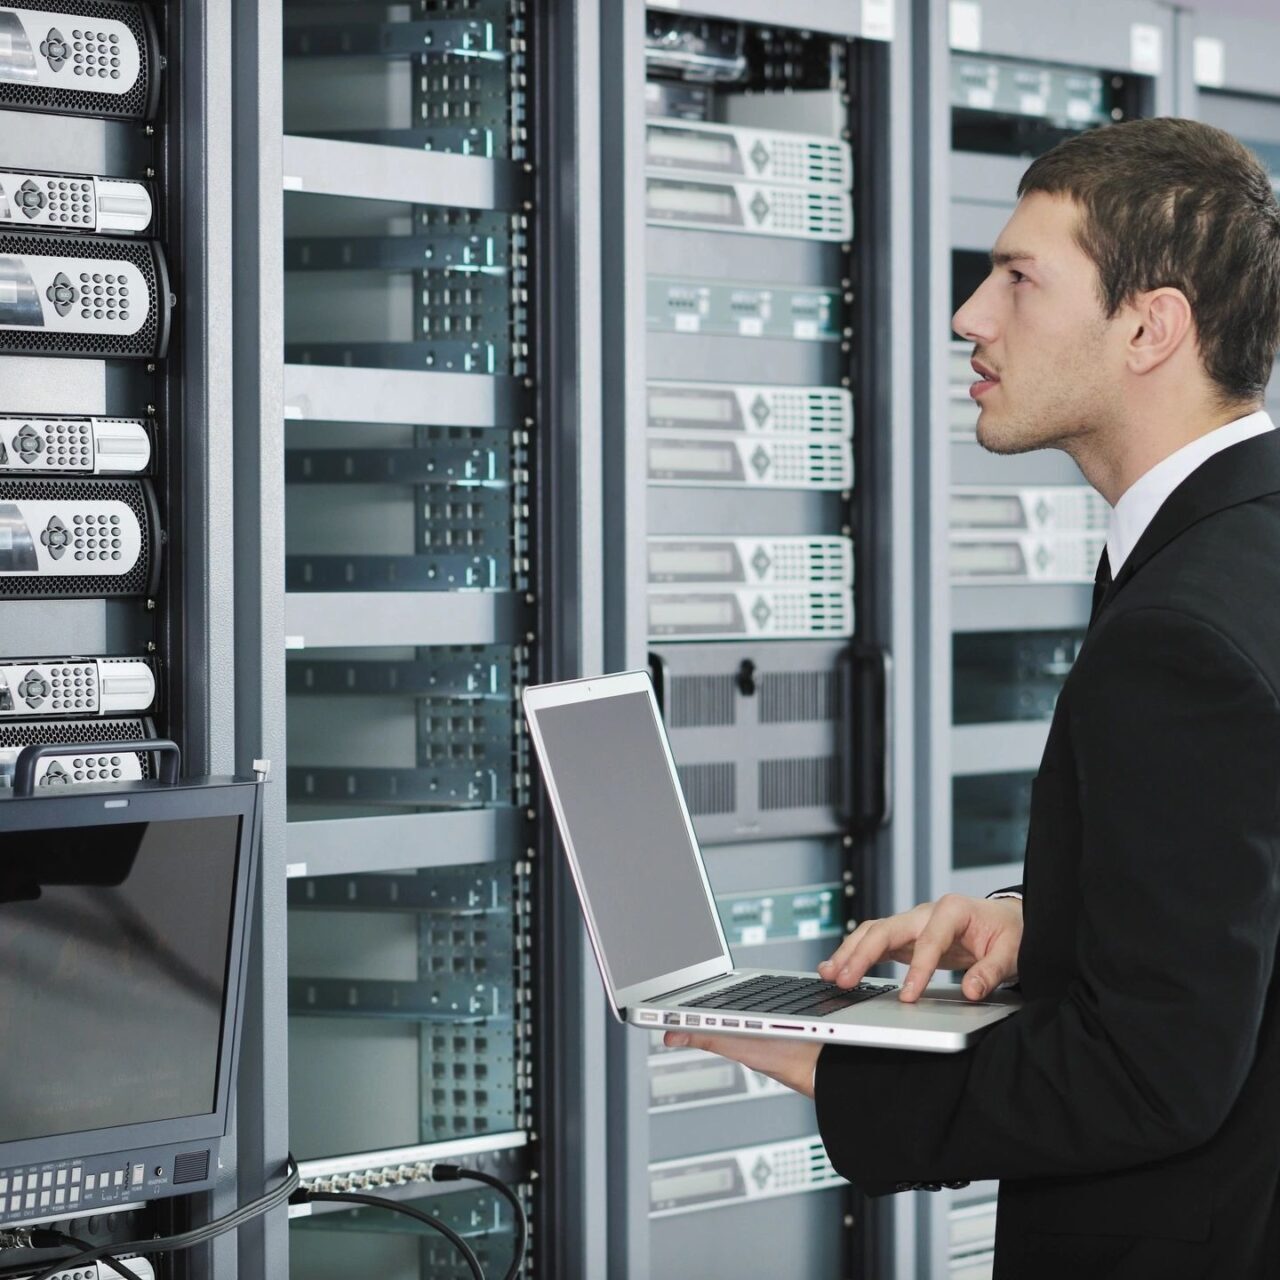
(637, 861)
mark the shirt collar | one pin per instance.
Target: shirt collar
(1140, 502)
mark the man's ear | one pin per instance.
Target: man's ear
(1161, 322)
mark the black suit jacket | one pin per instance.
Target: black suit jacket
(1131, 1110)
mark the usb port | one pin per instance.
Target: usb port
(729, 1022)
(711, 1022)
(671, 1019)
(648, 1017)
(693, 1020)
(754, 1026)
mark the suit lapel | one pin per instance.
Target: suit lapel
(1240, 473)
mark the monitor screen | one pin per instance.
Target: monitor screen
(114, 952)
(638, 863)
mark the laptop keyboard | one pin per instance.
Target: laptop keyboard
(769, 993)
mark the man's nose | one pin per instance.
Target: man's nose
(975, 321)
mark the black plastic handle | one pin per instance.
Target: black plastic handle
(866, 766)
(24, 768)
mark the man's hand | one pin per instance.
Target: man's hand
(790, 1062)
(978, 934)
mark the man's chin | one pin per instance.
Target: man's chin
(1005, 438)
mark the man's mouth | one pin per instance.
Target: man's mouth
(987, 378)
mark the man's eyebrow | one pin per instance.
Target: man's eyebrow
(1007, 256)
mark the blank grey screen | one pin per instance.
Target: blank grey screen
(634, 852)
(114, 949)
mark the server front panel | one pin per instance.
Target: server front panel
(759, 249)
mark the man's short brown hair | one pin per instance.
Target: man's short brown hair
(1175, 203)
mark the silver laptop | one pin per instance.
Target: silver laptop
(649, 908)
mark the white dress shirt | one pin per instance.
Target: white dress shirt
(1139, 503)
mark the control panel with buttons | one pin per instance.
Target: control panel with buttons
(819, 462)
(71, 52)
(143, 1269)
(71, 202)
(69, 538)
(726, 151)
(76, 687)
(732, 613)
(751, 410)
(67, 1188)
(93, 446)
(72, 770)
(808, 213)
(72, 295)
(691, 561)
(748, 1173)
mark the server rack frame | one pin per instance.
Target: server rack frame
(568, 1237)
(197, 627)
(1022, 30)
(885, 557)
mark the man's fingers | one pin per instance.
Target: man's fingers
(945, 924)
(984, 977)
(841, 954)
(870, 943)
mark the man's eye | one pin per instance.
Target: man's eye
(1016, 276)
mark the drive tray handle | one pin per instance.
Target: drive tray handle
(24, 768)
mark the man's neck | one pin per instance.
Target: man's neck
(1114, 460)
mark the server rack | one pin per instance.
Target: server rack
(115, 410)
(410, 386)
(758, 536)
(1008, 546)
(1224, 80)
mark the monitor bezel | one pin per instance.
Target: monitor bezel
(144, 802)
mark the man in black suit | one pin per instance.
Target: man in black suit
(1131, 1109)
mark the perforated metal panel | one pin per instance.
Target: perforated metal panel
(140, 581)
(139, 104)
(151, 339)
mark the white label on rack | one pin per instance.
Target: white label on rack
(966, 25)
(1079, 109)
(688, 324)
(1210, 56)
(295, 642)
(1146, 49)
(981, 99)
(877, 19)
(750, 327)
(295, 870)
(754, 935)
(809, 929)
(807, 329)
(1032, 104)
(291, 182)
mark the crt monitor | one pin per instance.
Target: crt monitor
(124, 916)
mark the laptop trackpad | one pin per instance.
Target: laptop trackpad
(937, 1008)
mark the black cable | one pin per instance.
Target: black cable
(186, 1239)
(114, 1263)
(382, 1202)
(454, 1172)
